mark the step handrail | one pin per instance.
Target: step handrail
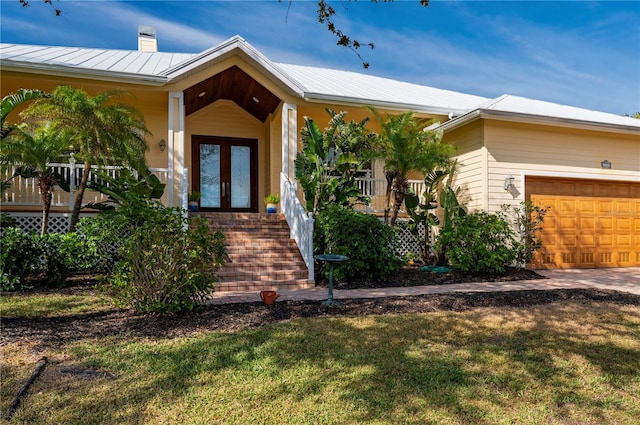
(300, 222)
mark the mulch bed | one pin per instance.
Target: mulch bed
(55, 331)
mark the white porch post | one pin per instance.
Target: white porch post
(289, 137)
(175, 157)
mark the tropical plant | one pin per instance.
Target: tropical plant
(103, 130)
(10, 102)
(326, 166)
(126, 184)
(32, 152)
(420, 214)
(405, 147)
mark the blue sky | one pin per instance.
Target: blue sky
(585, 54)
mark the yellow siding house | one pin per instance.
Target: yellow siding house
(226, 122)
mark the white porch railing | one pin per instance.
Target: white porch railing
(300, 223)
(376, 190)
(25, 192)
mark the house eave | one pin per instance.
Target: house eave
(536, 119)
(89, 74)
(396, 106)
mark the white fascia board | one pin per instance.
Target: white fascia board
(356, 101)
(537, 119)
(234, 46)
(89, 74)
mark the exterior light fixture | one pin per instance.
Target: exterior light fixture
(605, 164)
(163, 145)
(508, 182)
(202, 93)
(255, 99)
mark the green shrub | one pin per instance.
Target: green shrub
(53, 265)
(528, 219)
(480, 243)
(20, 257)
(27, 254)
(99, 240)
(368, 242)
(166, 262)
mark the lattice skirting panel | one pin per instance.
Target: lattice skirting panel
(32, 222)
(409, 243)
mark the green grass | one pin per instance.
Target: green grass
(49, 304)
(565, 363)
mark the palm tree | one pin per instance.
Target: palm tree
(33, 152)
(10, 102)
(405, 147)
(103, 130)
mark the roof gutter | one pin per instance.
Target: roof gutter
(91, 74)
(356, 101)
(536, 119)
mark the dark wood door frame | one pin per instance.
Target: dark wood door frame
(225, 168)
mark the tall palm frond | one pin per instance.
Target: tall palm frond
(104, 130)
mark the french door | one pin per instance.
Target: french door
(225, 173)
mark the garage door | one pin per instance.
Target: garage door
(591, 223)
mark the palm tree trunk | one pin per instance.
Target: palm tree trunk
(390, 176)
(46, 195)
(79, 196)
(402, 186)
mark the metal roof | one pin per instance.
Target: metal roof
(312, 83)
(322, 84)
(516, 108)
(117, 61)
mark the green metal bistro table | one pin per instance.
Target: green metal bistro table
(332, 260)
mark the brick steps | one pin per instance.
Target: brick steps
(261, 255)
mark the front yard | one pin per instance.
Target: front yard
(574, 360)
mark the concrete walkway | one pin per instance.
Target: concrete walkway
(617, 279)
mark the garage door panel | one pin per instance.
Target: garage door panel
(623, 224)
(623, 241)
(605, 224)
(605, 241)
(590, 224)
(587, 207)
(568, 240)
(624, 257)
(567, 207)
(587, 240)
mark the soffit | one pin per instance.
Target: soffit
(232, 84)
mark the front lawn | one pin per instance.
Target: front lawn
(566, 362)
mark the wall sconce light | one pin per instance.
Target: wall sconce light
(605, 164)
(508, 182)
(163, 145)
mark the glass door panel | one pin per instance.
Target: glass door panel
(210, 176)
(240, 177)
(225, 172)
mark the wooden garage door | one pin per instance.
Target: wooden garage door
(591, 223)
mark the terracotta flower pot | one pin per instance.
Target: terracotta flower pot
(269, 297)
